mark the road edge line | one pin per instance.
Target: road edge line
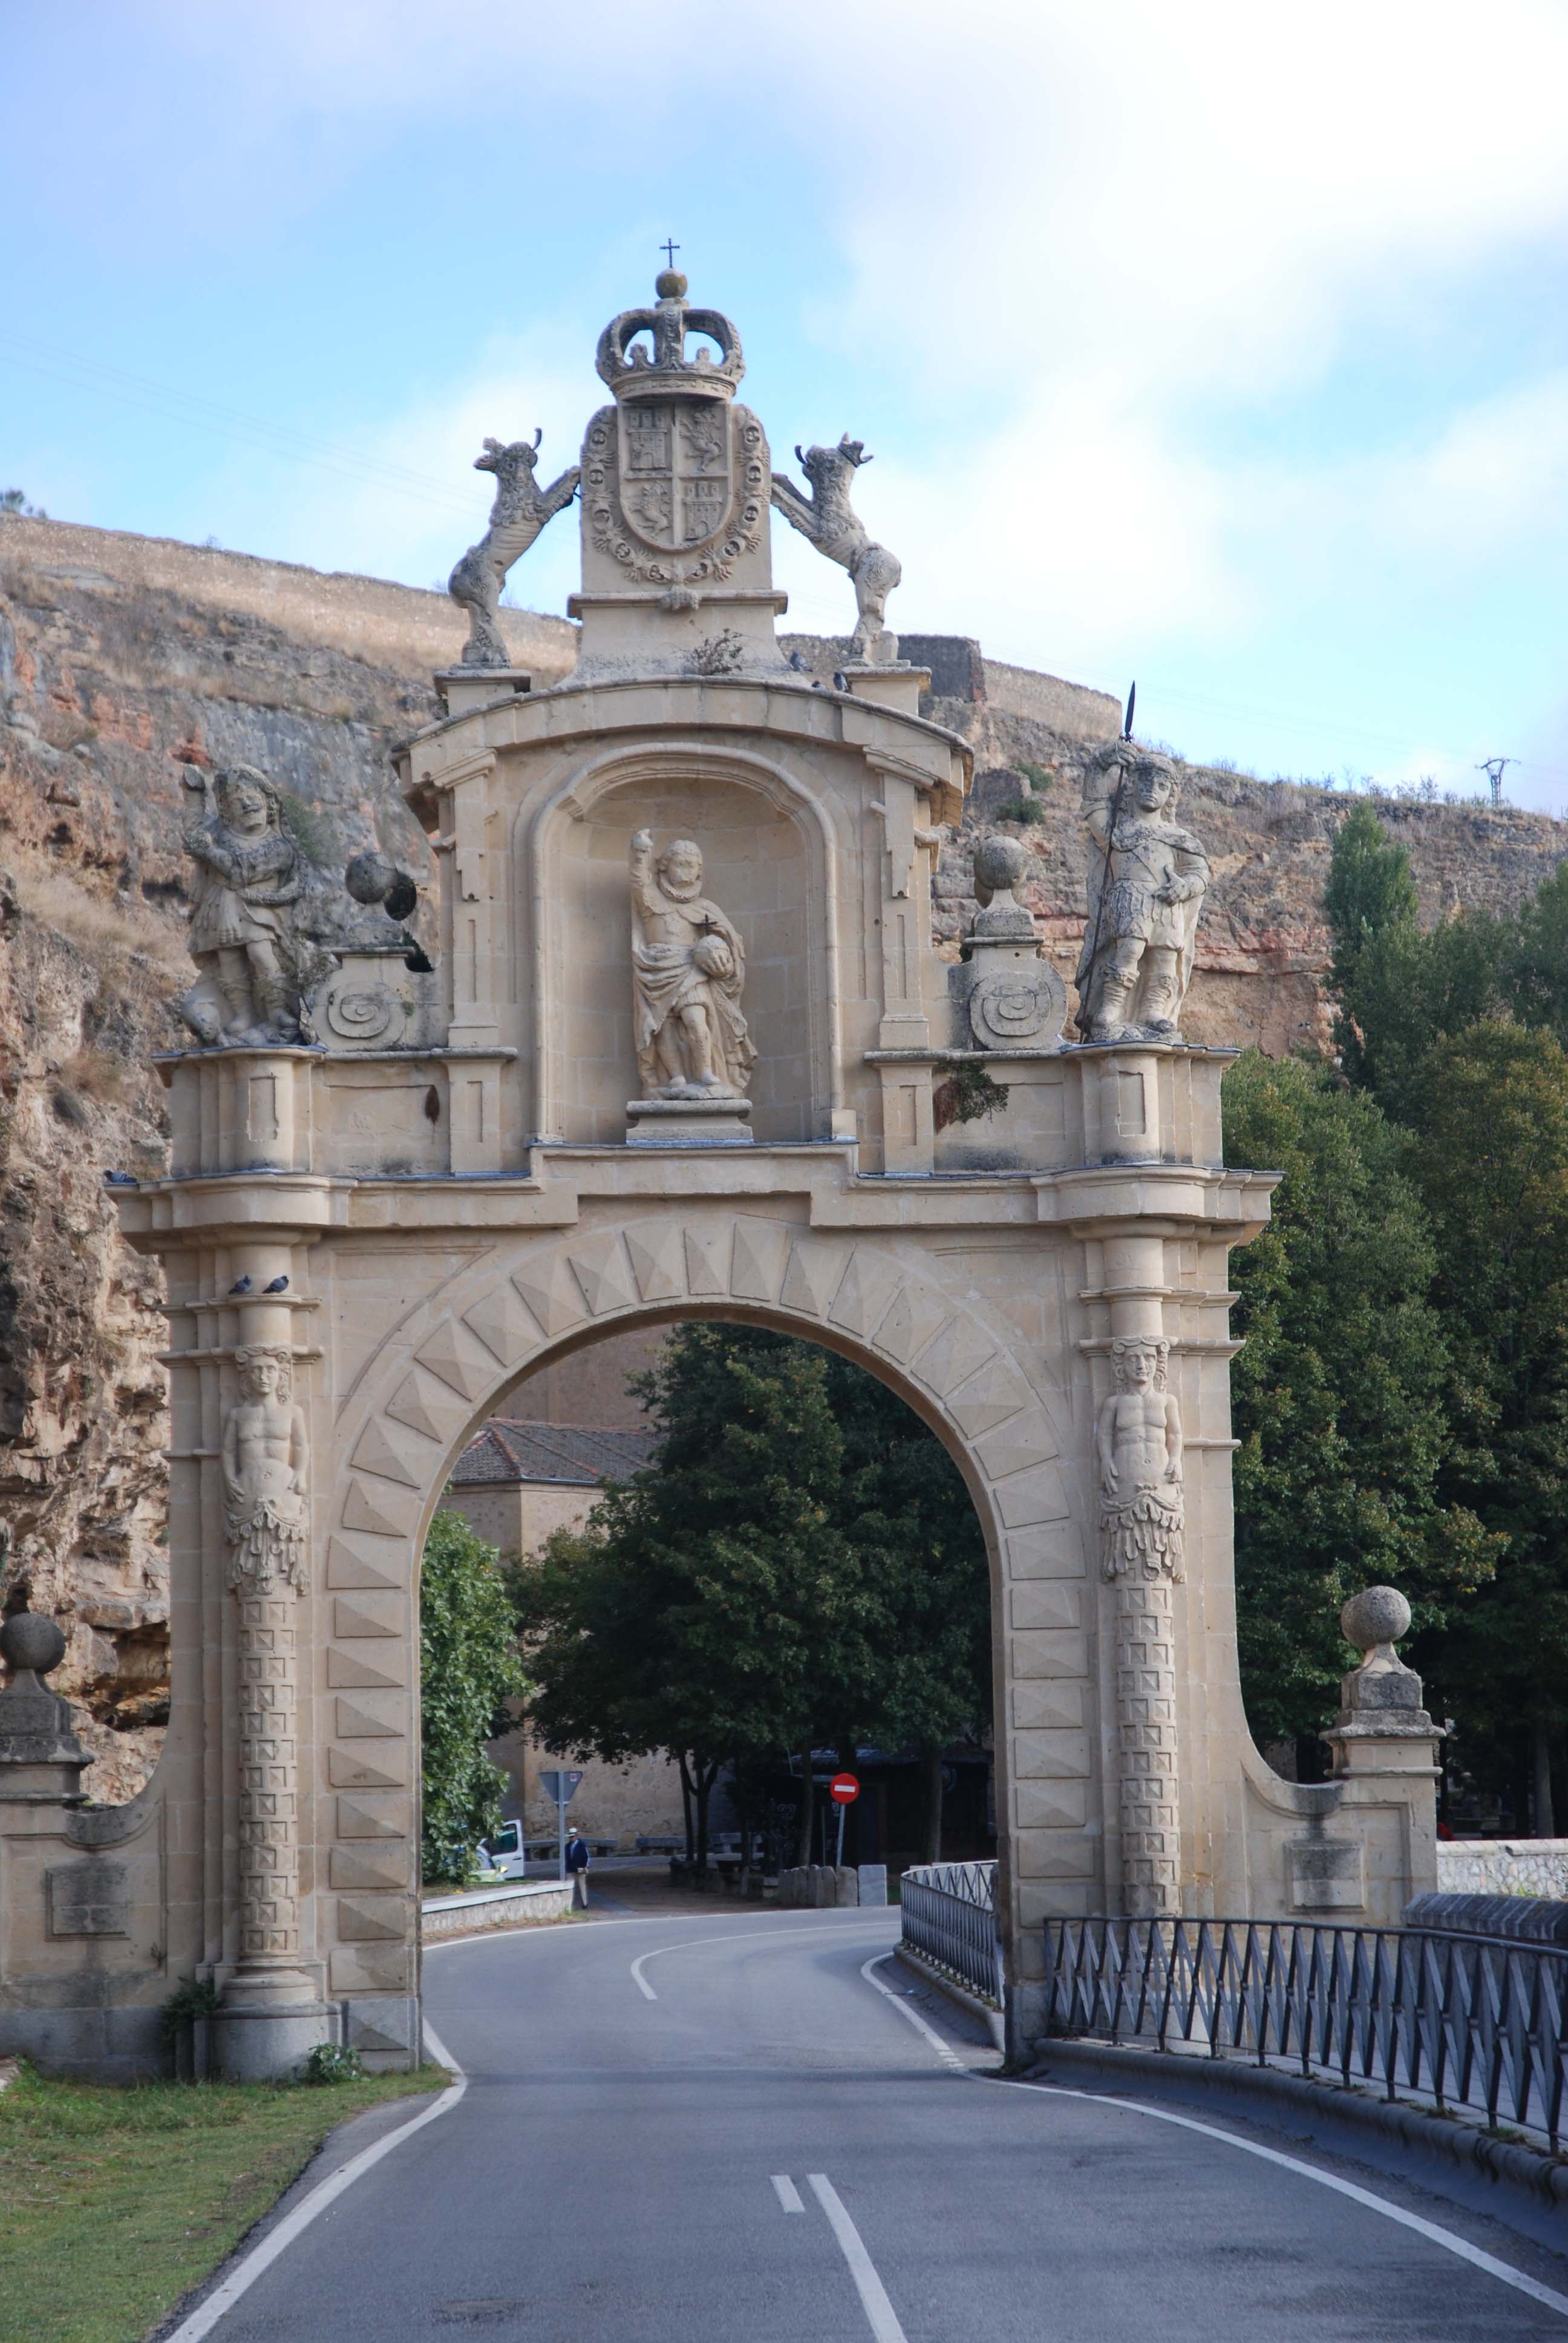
(252, 2264)
(882, 2319)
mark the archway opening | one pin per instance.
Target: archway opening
(743, 1565)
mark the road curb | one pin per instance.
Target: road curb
(1538, 2174)
(971, 2003)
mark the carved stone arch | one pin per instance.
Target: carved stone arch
(682, 767)
(871, 1298)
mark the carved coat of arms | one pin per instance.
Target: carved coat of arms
(676, 489)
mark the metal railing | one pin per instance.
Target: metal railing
(1470, 2021)
(950, 1917)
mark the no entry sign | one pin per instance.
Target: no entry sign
(843, 1789)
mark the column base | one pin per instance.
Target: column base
(267, 2046)
(691, 1121)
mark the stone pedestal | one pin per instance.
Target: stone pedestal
(464, 688)
(689, 1123)
(1146, 1741)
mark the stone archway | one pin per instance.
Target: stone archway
(451, 1363)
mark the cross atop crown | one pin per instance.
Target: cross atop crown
(632, 370)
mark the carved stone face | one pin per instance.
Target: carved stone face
(243, 806)
(1155, 785)
(680, 870)
(261, 1377)
(1136, 1369)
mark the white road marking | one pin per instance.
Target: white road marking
(754, 1936)
(883, 2318)
(944, 2050)
(1448, 2239)
(788, 2195)
(244, 2274)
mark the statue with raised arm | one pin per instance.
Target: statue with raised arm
(519, 512)
(255, 964)
(829, 520)
(1138, 1448)
(266, 1464)
(688, 966)
(1147, 877)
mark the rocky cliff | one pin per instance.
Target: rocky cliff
(122, 659)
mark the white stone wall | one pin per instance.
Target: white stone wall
(1502, 1867)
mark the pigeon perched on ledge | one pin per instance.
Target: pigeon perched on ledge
(121, 1180)
(278, 1285)
(240, 1285)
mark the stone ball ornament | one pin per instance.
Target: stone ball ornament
(1379, 1615)
(1000, 865)
(373, 878)
(29, 1640)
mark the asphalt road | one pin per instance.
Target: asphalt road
(752, 2145)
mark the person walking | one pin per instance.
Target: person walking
(578, 1868)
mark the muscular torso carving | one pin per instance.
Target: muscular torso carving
(265, 1460)
(1138, 1445)
(688, 966)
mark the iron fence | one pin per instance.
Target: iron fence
(950, 1917)
(1470, 2021)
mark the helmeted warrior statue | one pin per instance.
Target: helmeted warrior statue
(1146, 883)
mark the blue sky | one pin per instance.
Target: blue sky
(1222, 345)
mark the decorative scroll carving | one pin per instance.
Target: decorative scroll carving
(265, 1460)
(1146, 883)
(519, 512)
(689, 967)
(255, 961)
(829, 520)
(1138, 1444)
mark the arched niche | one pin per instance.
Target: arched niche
(766, 862)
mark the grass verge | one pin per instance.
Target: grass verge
(118, 2201)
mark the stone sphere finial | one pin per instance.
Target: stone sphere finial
(1380, 1615)
(669, 285)
(28, 1640)
(1000, 863)
(369, 877)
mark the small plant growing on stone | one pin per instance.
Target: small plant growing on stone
(716, 655)
(332, 2062)
(1040, 777)
(197, 1997)
(968, 1095)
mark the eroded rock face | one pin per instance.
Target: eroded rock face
(123, 661)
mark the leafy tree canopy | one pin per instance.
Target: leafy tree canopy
(1339, 1393)
(470, 1669)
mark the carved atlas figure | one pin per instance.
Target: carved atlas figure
(689, 967)
(1138, 1447)
(245, 937)
(519, 512)
(266, 1461)
(1147, 877)
(829, 520)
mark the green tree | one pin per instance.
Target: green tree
(1397, 988)
(712, 1608)
(1339, 1393)
(802, 1566)
(908, 1517)
(470, 1669)
(1489, 1156)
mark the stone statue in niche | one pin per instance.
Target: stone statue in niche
(255, 961)
(266, 1464)
(1138, 1446)
(689, 967)
(829, 520)
(519, 512)
(1147, 877)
